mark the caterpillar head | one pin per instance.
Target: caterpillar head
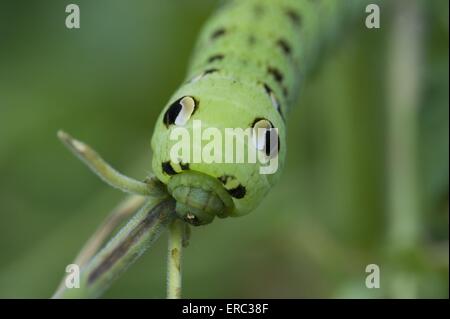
(191, 132)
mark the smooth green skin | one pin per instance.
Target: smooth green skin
(235, 96)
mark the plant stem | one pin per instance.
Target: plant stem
(122, 212)
(151, 187)
(123, 249)
(115, 218)
(174, 276)
(404, 83)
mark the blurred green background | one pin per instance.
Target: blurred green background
(343, 202)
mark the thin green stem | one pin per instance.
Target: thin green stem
(176, 237)
(151, 187)
(123, 249)
(123, 211)
(404, 83)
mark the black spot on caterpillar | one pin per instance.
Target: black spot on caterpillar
(218, 33)
(267, 88)
(184, 166)
(209, 71)
(294, 16)
(238, 192)
(277, 75)
(167, 168)
(273, 99)
(285, 46)
(216, 57)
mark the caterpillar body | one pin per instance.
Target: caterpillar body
(245, 72)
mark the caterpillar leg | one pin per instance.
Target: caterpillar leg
(150, 187)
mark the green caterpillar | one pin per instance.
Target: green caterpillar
(246, 72)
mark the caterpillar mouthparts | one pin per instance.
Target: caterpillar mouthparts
(200, 198)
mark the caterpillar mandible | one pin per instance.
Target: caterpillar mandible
(245, 72)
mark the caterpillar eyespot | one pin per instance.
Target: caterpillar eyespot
(265, 137)
(180, 111)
